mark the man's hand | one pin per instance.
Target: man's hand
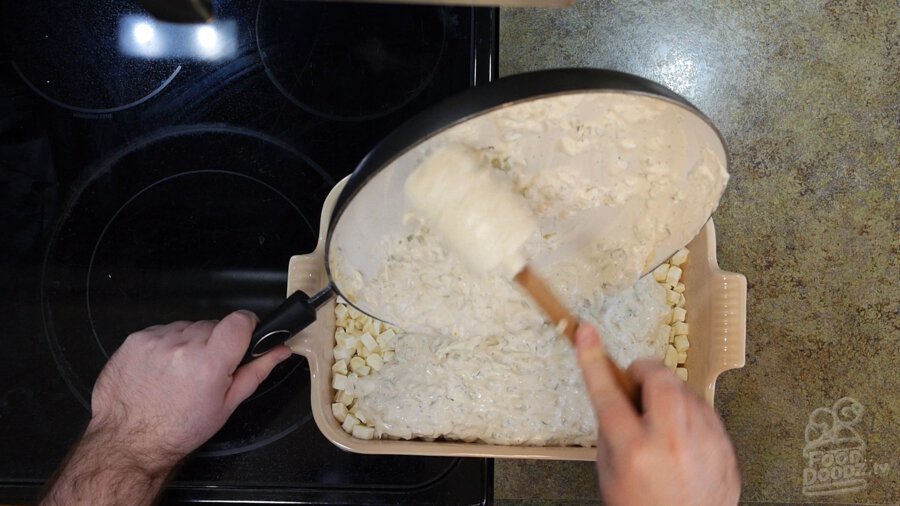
(164, 392)
(675, 452)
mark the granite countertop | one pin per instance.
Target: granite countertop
(807, 95)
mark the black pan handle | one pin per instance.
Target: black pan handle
(293, 315)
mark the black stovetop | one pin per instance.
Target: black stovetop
(145, 187)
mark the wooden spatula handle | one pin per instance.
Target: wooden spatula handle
(559, 315)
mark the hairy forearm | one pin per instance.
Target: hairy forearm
(103, 469)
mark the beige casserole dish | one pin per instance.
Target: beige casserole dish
(716, 307)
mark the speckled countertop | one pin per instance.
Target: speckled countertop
(807, 95)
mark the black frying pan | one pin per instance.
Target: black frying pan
(371, 204)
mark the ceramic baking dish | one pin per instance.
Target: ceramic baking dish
(716, 313)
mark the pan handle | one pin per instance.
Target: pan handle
(293, 315)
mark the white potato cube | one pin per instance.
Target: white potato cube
(342, 353)
(350, 421)
(361, 349)
(375, 361)
(671, 359)
(661, 272)
(340, 411)
(368, 341)
(356, 363)
(681, 343)
(672, 297)
(345, 398)
(680, 257)
(339, 382)
(673, 276)
(682, 356)
(682, 373)
(679, 287)
(681, 328)
(339, 367)
(388, 356)
(681, 301)
(360, 416)
(364, 371)
(363, 432)
(678, 315)
(340, 311)
(344, 340)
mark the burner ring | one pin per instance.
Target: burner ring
(348, 72)
(104, 277)
(90, 110)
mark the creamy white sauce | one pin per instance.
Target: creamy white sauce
(617, 184)
(480, 363)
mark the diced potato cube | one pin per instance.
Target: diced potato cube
(681, 343)
(679, 287)
(388, 356)
(682, 356)
(360, 416)
(339, 382)
(661, 272)
(368, 341)
(673, 276)
(678, 314)
(672, 297)
(363, 432)
(375, 361)
(350, 421)
(681, 301)
(342, 353)
(671, 359)
(339, 367)
(671, 333)
(682, 373)
(340, 311)
(340, 411)
(364, 371)
(344, 340)
(356, 363)
(353, 312)
(368, 328)
(681, 328)
(361, 349)
(680, 256)
(345, 398)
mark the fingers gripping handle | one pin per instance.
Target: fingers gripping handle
(293, 315)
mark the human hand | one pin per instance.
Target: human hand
(169, 388)
(675, 452)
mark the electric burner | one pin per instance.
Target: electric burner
(349, 61)
(187, 224)
(67, 52)
(138, 190)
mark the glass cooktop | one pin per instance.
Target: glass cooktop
(152, 172)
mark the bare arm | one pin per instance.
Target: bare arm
(675, 451)
(166, 391)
